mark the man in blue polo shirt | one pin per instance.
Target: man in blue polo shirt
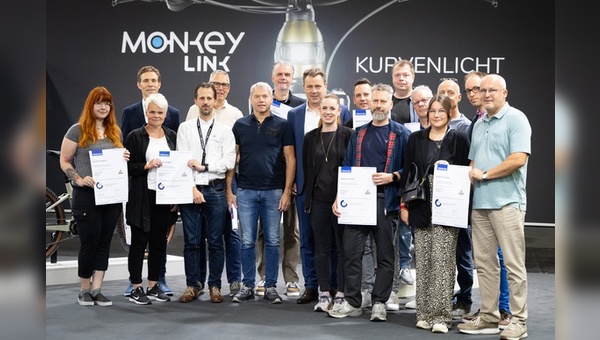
(265, 148)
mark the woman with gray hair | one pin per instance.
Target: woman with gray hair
(149, 221)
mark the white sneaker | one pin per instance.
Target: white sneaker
(378, 312)
(338, 302)
(439, 328)
(423, 324)
(392, 303)
(366, 299)
(412, 304)
(345, 310)
(406, 277)
(260, 288)
(324, 304)
(292, 289)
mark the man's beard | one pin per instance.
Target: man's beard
(379, 116)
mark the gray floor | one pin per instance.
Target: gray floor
(65, 319)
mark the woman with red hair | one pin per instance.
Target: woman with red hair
(97, 129)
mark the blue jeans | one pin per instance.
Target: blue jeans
(253, 204)
(233, 248)
(307, 245)
(504, 298)
(464, 266)
(405, 238)
(210, 216)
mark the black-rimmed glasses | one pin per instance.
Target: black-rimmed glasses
(475, 90)
(217, 84)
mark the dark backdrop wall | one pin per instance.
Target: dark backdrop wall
(105, 42)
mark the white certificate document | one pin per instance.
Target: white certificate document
(280, 109)
(174, 179)
(357, 195)
(360, 118)
(451, 191)
(109, 170)
(412, 127)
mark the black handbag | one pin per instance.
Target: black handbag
(414, 191)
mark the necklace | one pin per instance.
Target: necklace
(328, 146)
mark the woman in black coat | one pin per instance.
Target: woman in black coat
(435, 245)
(323, 152)
(149, 222)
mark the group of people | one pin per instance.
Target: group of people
(265, 165)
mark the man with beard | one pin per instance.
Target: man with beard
(379, 144)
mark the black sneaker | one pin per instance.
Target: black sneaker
(102, 300)
(245, 294)
(85, 299)
(156, 294)
(138, 296)
(272, 296)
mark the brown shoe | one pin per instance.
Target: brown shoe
(189, 294)
(215, 295)
(308, 296)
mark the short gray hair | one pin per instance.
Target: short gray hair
(159, 100)
(383, 87)
(262, 85)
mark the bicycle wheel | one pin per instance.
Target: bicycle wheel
(54, 217)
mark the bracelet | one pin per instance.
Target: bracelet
(403, 206)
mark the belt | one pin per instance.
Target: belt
(214, 183)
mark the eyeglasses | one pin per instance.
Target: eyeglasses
(102, 103)
(453, 79)
(491, 92)
(475, 90)
(217, 84)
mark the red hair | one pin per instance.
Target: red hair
(87, 120)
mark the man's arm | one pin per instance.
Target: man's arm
(290, 171)
(512, 163)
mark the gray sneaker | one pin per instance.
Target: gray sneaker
(345, 310)
(156, 294)
(245, 294)
(234, 288)
(102, 300)
(459, 310)
(85, 299)
(378, 312)
(272, 296)
(139, 297)
(406, 277)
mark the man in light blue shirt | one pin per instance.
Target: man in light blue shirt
(500, 149)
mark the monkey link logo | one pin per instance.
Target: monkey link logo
(203, 51)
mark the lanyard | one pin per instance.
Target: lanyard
(202, 142)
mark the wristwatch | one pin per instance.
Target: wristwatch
(484, 176)
(394, 177)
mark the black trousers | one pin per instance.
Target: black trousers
(329, 248)
(96, 225)
(155, 239)
(354, 244)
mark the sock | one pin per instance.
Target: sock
(95, 292)
(82, 291)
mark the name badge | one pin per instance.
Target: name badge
(202, 178)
